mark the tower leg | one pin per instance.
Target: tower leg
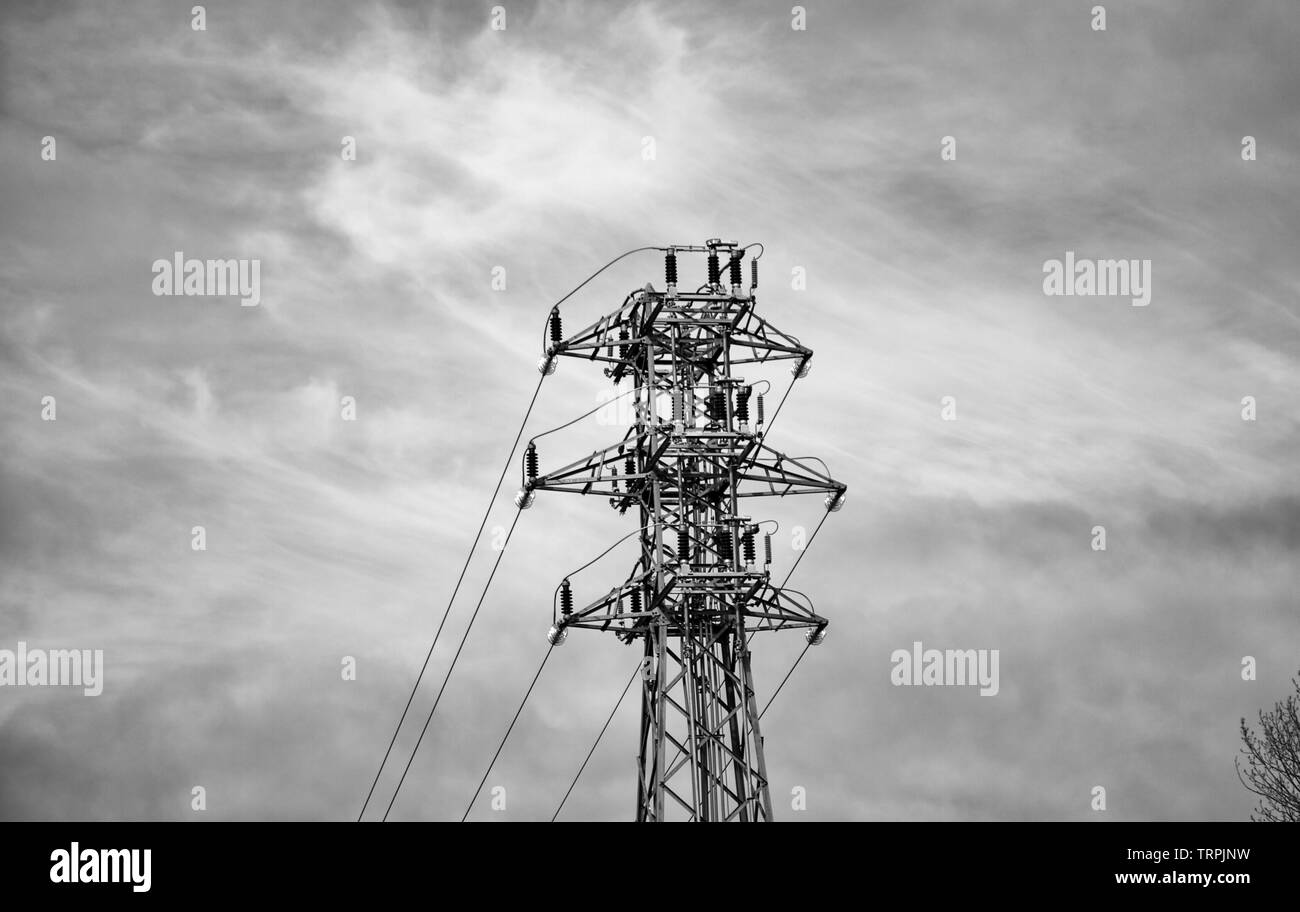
(701, 755)
(752, 714)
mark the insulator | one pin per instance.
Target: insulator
(557, 635)
(715, 273)
(753, 273)
(723, 541)
(624, 350)
(636, 601)
(524, 499)
(679, 404)
(670, 268)
(557, 327)
(629, 465)
(747, 546)
(683, 544)
(760, 409)
(767, 547)
(834, 501)
(546, 366)
(566, 599)
(742, 404)
(816, 636)
(718, 404)
(801, 369)
(735, 269)
(530, 462)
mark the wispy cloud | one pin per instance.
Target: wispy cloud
(523, 149)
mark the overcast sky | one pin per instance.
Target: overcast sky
(523, 148)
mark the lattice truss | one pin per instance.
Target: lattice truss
(699, 588)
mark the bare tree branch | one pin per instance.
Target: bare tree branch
(1270, 763)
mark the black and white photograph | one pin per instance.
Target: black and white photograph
(877, 413)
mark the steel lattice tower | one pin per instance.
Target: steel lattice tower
(699, 588)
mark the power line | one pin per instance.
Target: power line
(534, 683)
(621, 697)
(767, 431)
(807, 545)
(465, 567)
(806, 647)
(452, 667)
(509, 729)
(469, 557)
(584, 282)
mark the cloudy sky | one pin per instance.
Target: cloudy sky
(523, 148)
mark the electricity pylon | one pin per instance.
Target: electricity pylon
(697, 592)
